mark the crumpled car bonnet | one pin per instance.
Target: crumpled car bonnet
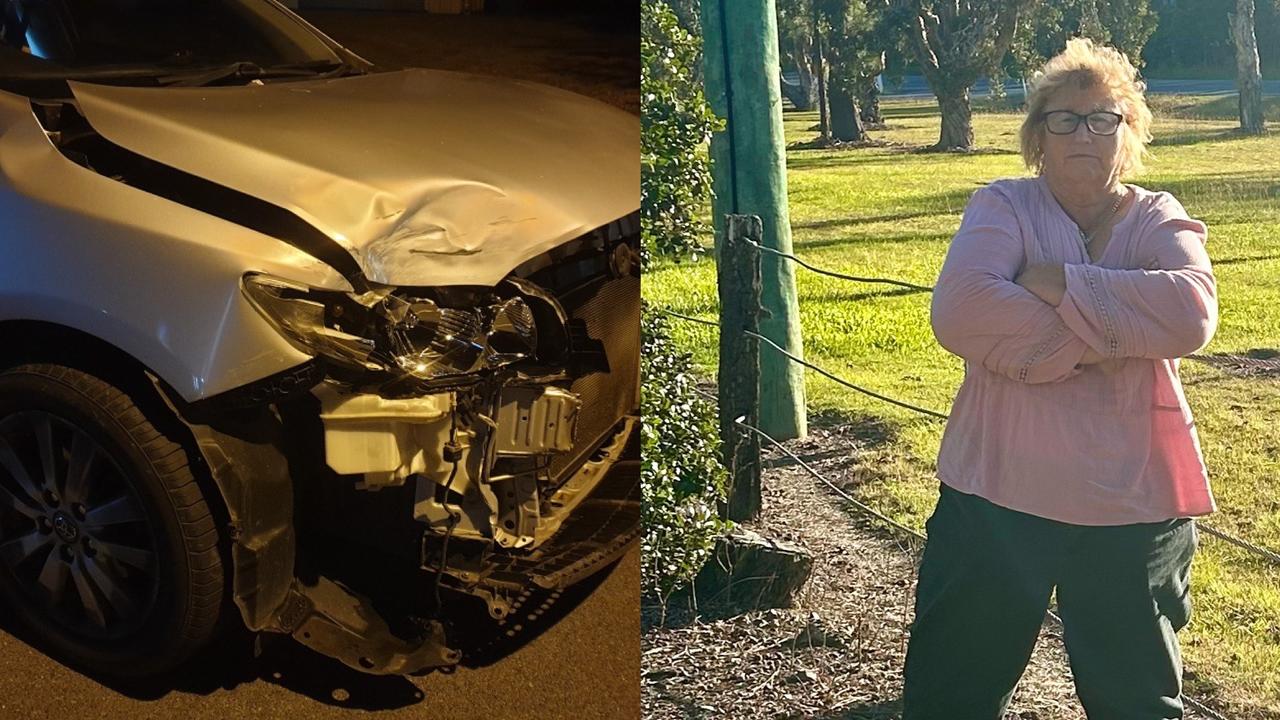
(426, 177)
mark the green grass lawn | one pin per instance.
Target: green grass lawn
(890, 212)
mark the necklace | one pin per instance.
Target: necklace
(1087, 238)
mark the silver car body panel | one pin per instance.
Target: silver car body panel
(427, 177)
(158, 280)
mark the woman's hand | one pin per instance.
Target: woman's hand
(1047, 281)
(1093, 357)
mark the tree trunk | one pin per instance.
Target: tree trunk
(820, 70)
(808, 84)
(802, 94)
(869, 102)
(846, 125)
(1248, 71)
(805, 95)
(957, 122)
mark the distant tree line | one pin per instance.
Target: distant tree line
(834, 50)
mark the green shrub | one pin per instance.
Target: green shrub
(681, 476)
(676, 124)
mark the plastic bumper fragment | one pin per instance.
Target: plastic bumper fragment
(334, 621)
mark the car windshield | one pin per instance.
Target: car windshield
(92, 37)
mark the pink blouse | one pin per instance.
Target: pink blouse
(1033, 430)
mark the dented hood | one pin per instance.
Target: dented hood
(426, 177)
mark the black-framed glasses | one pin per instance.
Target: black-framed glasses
(1065, 122)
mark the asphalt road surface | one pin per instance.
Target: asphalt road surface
(584, 664)
(583, 658)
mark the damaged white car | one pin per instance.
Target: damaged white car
(330, 348)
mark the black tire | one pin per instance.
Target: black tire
(143, 580)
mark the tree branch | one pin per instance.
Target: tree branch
(925, 40)
(1007, 27)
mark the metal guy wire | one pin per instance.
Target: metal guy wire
(841, 380)
(833, 274)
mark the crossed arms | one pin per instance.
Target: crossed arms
(981, 312)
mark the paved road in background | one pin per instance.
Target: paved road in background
(585, 664)
(914, 86)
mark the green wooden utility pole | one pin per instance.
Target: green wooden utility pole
(749, 175)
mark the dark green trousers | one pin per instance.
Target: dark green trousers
(985, 582)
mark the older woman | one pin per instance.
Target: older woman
(1070, 459)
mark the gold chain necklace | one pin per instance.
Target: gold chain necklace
(1087, 238)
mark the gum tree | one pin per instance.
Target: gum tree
(855, 42)
(955, 42)
(838, 48)
(1248, 69)
(795, 43)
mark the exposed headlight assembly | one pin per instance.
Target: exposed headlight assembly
(381, 331)
(289, 307)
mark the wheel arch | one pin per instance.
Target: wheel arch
(32, 341)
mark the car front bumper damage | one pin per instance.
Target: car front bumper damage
(513, 483)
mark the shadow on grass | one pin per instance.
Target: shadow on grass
(847, 297)
(847, 158)
(1238, 260)
(871, 431)
(867, 220)
(951, 202)
(892, 110)
(1222, 107)
(908, 112)
(1195, 137)
(1233, 187)
(705, 311)
(948, 203)
(863, 240)
(856, 157)
(952, 152)
(834, 145)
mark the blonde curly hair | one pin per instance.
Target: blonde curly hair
(1086, 65)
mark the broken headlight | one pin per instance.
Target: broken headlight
(429, 341)
(383, 331)
(301, 320)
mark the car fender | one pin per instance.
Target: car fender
(154, 278)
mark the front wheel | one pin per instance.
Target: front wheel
(108, 549)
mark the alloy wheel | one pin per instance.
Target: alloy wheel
(74, 535)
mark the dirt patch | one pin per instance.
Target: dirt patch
(1257, 363)
(833, 144)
